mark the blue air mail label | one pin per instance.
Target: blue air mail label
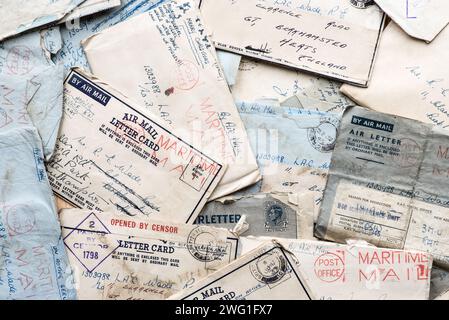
(33, 262)
(156, 258)
(110, 155)
(381, 187)
(285, 136)
(267, 273)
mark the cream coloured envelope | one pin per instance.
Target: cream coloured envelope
(410, 78)
(113, 155)
(421, 19)
(21, 15)
(268, 272)
(172, 70)
(111, 254)
(89, 7)
(332, 47)
(357, 271)
(257, 80)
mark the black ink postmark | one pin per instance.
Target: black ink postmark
(205, 246)
(21, 219)
(324, 136)
(362, 4)
(271, 268)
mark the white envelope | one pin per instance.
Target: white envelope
(267, 273)
(422, 19)
(112, 155)
(177, 77)
(357, 271)
(281, 34)
(410, 78)
(111, 254)
(22, 15)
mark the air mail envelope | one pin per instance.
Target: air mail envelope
(113, 155)
(357, 272)
(267, 215)
(173, 72)
(335, 48)
(155, 258)
(418, 83)
(296, 180)
(33, 260)
(267, 273)
(257, 80)
(72, 54)
(25, 60)
(274, 131)
(388, 184)
(89, 7)
(22, 15)
(422, 19)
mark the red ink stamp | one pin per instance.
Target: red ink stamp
(409, 155)
(186, 76)
(20, 219)
(19, 60)
(330, 267)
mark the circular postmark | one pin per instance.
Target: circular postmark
(19, 60)
(270, 268)
(362, 4)
(329, 267)
(324, 136)
(409, 155)
(21, 219)
(204, 246)
(186, 75)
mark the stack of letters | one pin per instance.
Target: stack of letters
(224, 150)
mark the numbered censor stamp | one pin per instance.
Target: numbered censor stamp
(20, 219)
(330, 267)
(87, 243)
(271, 268)
(324, 136)
(19, 60)
(204, 246)
(362, 4)
(186, 75)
